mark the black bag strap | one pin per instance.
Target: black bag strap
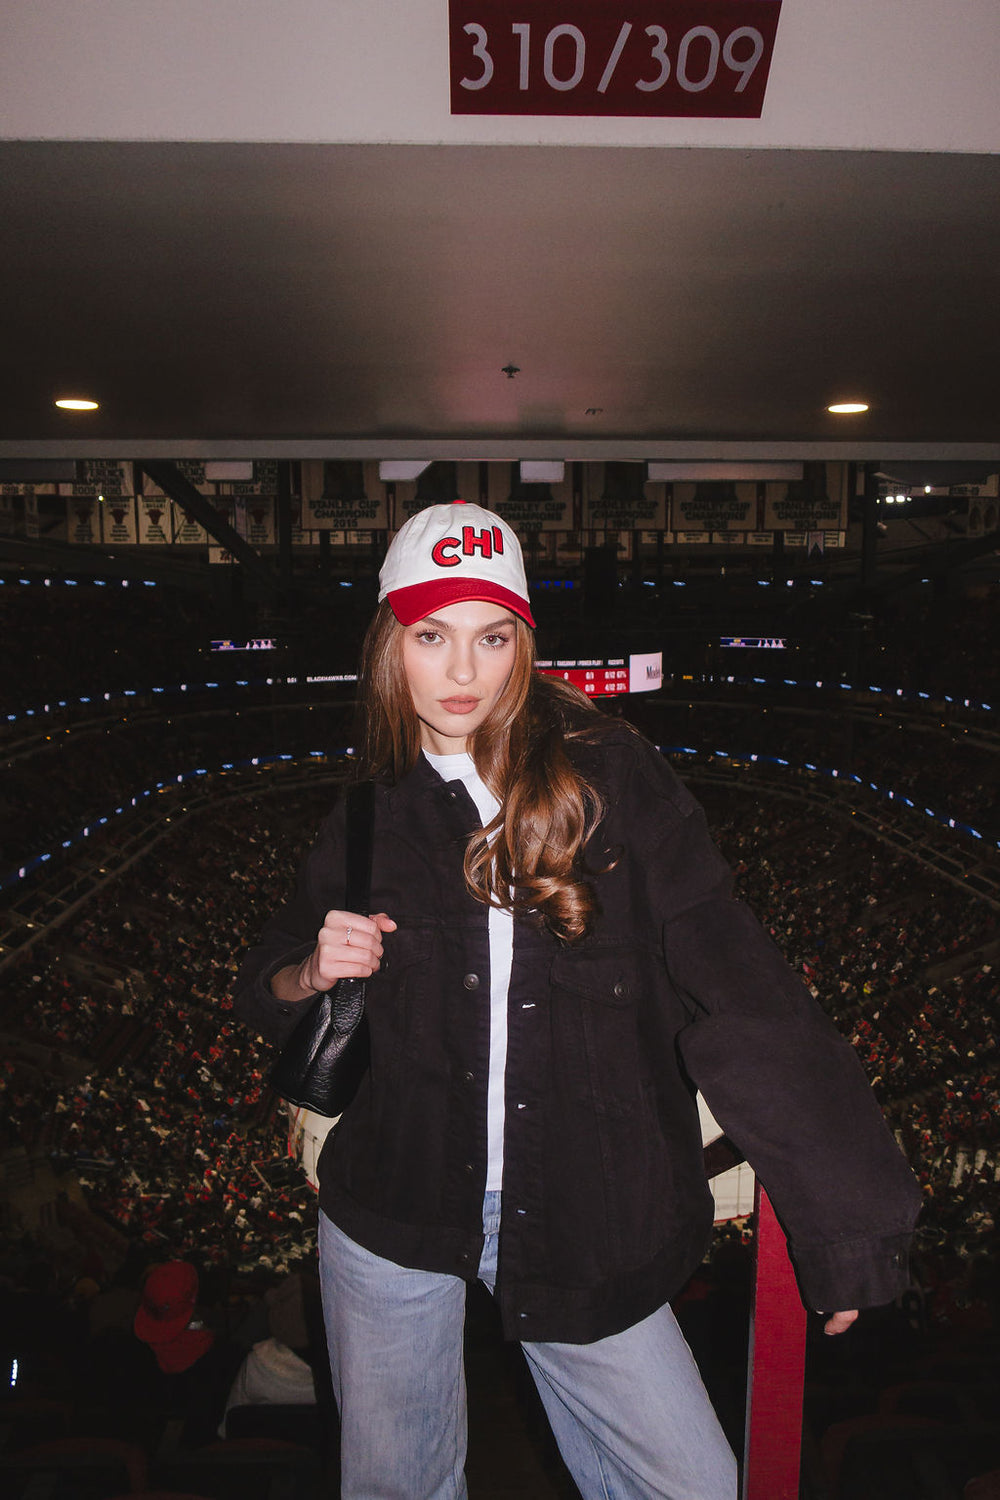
(360, 825)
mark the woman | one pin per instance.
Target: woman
(556, 964)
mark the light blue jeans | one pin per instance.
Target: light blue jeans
(629, 1412)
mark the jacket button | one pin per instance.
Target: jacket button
(471, 981)
(469, 1167)
(469, 1077)
(452, 796)
(464, 1258)
(621, 989)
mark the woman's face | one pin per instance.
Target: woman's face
(457, 662)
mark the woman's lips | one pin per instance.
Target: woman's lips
(459, 705)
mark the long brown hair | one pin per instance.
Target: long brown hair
(530, 858)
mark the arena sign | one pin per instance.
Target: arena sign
(704, 59)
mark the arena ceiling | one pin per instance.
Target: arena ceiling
(243, 300)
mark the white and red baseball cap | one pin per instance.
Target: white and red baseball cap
(447, 553)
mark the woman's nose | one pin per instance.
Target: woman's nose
(461, 668)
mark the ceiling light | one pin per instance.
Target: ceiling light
(76, 403)
(847, 408)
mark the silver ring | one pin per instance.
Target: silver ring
(347, 938)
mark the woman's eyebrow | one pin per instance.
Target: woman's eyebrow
(480, 629)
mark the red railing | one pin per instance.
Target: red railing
(775, 1367)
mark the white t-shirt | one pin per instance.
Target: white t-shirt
(462, 768)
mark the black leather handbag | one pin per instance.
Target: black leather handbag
(327, 1055)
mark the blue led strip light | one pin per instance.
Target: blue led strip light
(13, 877)
(36, 861)
(311, 680)
(315, 679)
(890, 796)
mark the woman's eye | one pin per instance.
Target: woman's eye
(496, 640)
(428, 636)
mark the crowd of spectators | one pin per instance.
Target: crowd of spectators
(908, 967)
(155, 1100)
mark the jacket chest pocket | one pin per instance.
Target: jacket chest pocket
(595, 1001)
(399, 994)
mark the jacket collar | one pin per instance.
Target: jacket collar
(417, 786)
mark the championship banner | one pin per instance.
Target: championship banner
(816, 503)
(83, 524)
(193, 470)
(13, 491)
(155, 525)
(229, 510)
(342, 496)
(640, 506)
(184, 529)
(300, 537)
(101, 476)
(529, 507)
(256, 520)
(815, 541)
(408, 490)
(714, 505)
(118, 521)
(349, 538)
(264, 481)
(990, 488)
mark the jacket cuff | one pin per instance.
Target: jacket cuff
(260, 1008)
(852, 1273)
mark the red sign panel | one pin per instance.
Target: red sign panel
(694, 58)
(597, 682)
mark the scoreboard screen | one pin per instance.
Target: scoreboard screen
(263, 643)
(755, 642)
(607, 676)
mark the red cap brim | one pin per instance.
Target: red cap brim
(421, 599)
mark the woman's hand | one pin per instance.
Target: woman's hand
(348, 946)
(840, 1322)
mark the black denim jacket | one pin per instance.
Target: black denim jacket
(606, 1210)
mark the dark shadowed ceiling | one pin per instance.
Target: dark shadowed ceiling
(229, 294)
